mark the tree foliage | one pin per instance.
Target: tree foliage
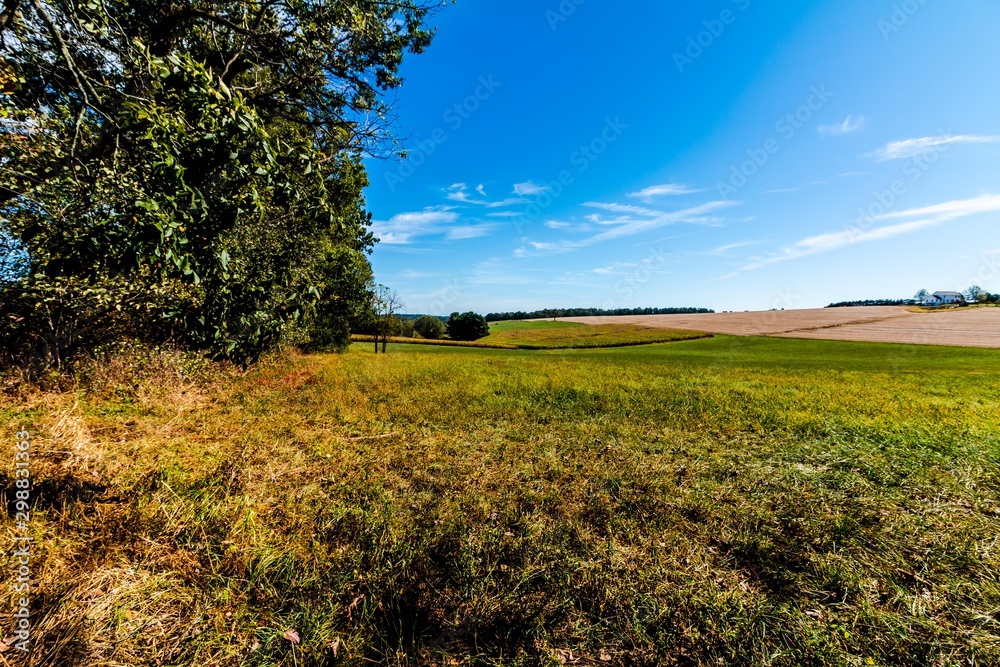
(383, 304)
(467, 326)
(589, 312)
(429, 327)
(201, 149)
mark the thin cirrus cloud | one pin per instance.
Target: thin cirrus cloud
(927, 216)
(664, 190)
(459, 192)
(405, 228)
(910, 148)
(529, 189)
(623, 208)
(849, 125)
(638, 221)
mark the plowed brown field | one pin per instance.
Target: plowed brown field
(966, 327)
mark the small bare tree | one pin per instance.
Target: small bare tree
(385, 303)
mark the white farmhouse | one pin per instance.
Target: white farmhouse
(944, 299)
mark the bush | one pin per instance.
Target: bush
(50, 323)
(467, 326)
(401, 327)
(429, 327)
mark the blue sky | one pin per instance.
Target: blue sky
(731, 154)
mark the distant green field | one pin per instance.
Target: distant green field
(570, 335)
(547, 335)
(522, 325)
(724, 501)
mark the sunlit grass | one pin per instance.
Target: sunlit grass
(716, 501)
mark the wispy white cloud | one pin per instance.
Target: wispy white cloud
(469, 232)
(664, 190)
(615, 268)
(459, 192)
(568, 226)
(505, 214)
(950, 210)
(405, 228)
(624, 208)
(778, 191)
(927, 216)
(849, 125)
(723, 249)
(512, 201)
(529, 188)
(631, 225)
(410, 274)
(910, 148)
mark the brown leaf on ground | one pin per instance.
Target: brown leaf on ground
(292, 636)
(564, 656)
(354, 605)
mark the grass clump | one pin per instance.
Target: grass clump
(716, 501)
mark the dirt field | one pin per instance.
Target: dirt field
(972, 327)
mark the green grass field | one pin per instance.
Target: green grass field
(547, 335)
(540, 335)
(724, 501)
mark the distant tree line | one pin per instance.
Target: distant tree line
(975, 294)
(873, 302)
(591, 312)
(459, 326)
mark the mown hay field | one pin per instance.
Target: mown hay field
(977, 326)
(739, 501)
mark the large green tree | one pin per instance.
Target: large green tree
(205, 152)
